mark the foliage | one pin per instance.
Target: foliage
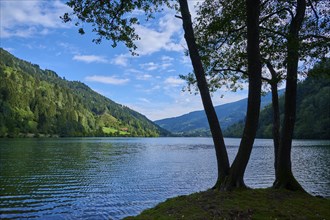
(221, 34)
(313, 108)
(111, 20)
(35, 101)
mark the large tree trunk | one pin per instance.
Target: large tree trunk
(276, 123)
(220, 148)
(237, 170)
(284, 176)
(276, 112)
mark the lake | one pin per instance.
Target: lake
(110, 178)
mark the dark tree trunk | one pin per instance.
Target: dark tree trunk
(284, 176)
(276, 123)
(276, 112)
(237, 170)
(218, 140)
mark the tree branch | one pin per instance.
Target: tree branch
(275, 76)
(273, 31)
(177, 16)
(313, 9)
(240, 71)
(274, 13)
(316, 36)
(230, 69)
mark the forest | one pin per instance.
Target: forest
(36, 102)
(313, 108)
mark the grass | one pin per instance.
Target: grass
(241, 204)
(109, 130)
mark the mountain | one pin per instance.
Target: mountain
(195, 123)
(313, 109)
(39, 102)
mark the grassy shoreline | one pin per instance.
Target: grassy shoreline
(241, 204)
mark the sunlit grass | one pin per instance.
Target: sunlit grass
(109, 130)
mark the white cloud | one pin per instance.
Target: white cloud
(174, 81)
(165, 38)
(192, 7)
(166, 65)
(30, 17)
(90, 58)
(134, 71)
(151, 90)
(121, 60)
(167, 59)
(171, 70)
(107, 80)
(165, 62)
(139, 75)
(149, 66)
(144, 77)
(185, 60)
(68, 47)
(144, 100)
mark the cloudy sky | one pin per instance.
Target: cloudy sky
(149, 83)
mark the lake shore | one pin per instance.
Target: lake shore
(241, 204)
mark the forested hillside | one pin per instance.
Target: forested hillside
(39, 102)
(313, 109)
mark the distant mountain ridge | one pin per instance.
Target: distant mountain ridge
(39, 102)
(195, 123)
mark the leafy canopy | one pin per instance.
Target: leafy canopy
(221, 34)
(114, 20)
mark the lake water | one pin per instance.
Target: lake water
(110, 178)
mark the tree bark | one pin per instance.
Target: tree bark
(218, 140)
(276, 123)
(284, 176)
(237, 170)
(276, 112)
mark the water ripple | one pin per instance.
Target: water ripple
(110, 178)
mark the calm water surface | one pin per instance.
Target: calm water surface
(110, 178)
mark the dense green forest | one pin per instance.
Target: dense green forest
(36, 102)
(313, 108)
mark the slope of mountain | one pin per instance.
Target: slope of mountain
(195, 123)
(36, 101)
(313, 109)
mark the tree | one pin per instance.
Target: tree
(218, 140)
(221, 34)
(109, 22)
(284, 176)
(254, 95)
(302, 36)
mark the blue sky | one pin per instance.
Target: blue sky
(149, 83)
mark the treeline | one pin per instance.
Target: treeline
(313, 109)
(39, 102)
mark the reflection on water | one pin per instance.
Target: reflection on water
(102, 178)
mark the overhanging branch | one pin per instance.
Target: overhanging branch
(274, 32)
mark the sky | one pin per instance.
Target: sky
(149, 83)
